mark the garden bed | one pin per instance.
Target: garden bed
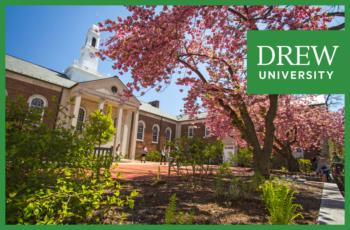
(199, 198)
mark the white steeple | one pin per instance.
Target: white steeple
(88, 59)
(85, 69)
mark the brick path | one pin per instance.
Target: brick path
(134, 170)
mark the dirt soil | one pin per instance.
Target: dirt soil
(199, 199)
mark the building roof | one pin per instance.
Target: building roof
(146, 107)
(186, 117)
(38, 72)
(44, 74)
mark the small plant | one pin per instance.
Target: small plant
(284, 170)
(70, 201)
(230, 188)
(243, 158)
(153, 155)
(158, 174)
(256, 182)
(171, 215)
(170, 211)
(305, 165)
(157, 178)
(278, 198)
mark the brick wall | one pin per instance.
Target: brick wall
(198, 131)
(147, 139)
(20, 88)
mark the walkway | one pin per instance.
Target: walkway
(135, 170)
(332, 205)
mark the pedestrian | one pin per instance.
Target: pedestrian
(337, 165)
(314, 163)
(162, 156)
(336, 158)
(323, 169)
(144, 154)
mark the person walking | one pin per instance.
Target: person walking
(323, 169)
(144, 154)
(163, 156)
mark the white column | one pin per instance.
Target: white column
(119, 128)
(101, 104)
(134, 135)
(126, 132)
(77, 101)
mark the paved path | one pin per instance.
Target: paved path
(332, 205)
(134, 170)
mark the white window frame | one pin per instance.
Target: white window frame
(155, 125)
(84, 118)
(171, 132)
(143, 130)
(31, 98)
(188, 131)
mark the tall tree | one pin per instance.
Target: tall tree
(205, 47)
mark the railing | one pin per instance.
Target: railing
(104, 155)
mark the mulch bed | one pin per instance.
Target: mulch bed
(199, 198)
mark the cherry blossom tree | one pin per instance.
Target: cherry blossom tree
(307, 126)
(205, 48)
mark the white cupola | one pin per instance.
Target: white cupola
(85, 69)
(88, 59)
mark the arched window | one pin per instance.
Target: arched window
(37, 102)
(93, 42)
(190, 131)
(140, 130)
(155, 133)
(168, 134)
(81, 119)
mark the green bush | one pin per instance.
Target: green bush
(278, 198)
(243, 158)
(153, 155)
(197, 153)
(69, 201)
(305, 165)
(230, 188)
(49, 172)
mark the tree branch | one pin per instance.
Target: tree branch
(337, 27)
(237, 13)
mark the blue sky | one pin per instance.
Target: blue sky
(52, 36)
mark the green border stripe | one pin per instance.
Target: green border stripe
(5, 3)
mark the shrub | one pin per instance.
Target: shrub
(243, 158)
(284, 170)
(170, 211)
(46, 171)
(228, 187)
(100, 128)
(153, 155)
(305, 165)
(278, 198)
(197, 153)
(69, 201)
(171, 215)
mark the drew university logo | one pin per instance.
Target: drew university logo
(296, 56)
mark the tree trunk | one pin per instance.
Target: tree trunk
(261, 154)
(292, 164)
(261, 163)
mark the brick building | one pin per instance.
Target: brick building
(82, 90)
